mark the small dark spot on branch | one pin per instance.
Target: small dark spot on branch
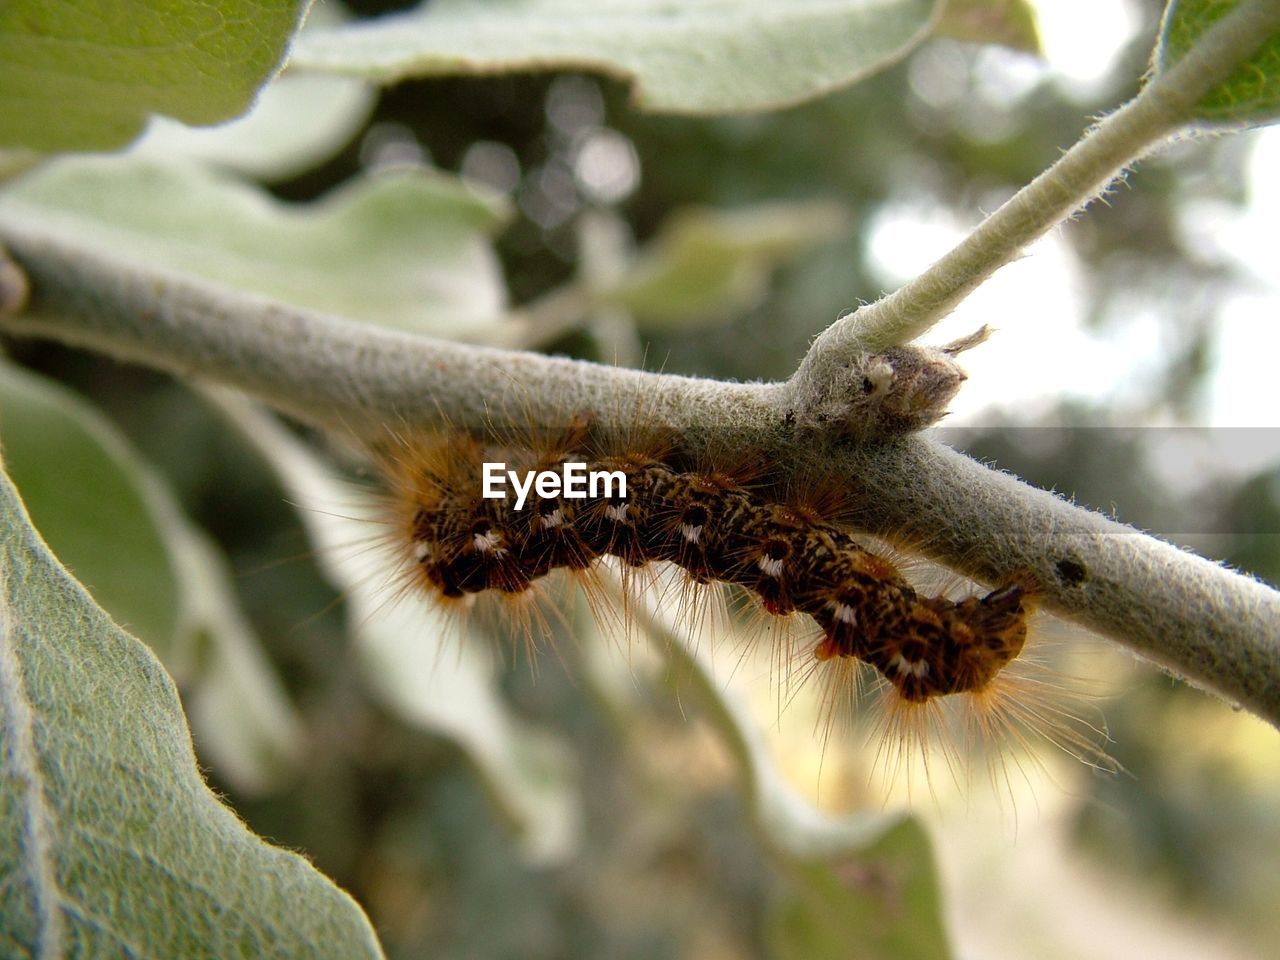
(1071, 573)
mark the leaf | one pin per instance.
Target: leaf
(248, 730)
(407, 249)
(885, 899)
(866, 879)
(415, 662)
(1251, 94)
(298, 122)
(1010, 23)
(116, 524)
(697, 56)
(706, 263)
(85, 75)
(110, 842)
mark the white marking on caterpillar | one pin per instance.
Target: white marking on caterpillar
(770, 566)
(844, 613)
(553, 519)
(917, 668)
(488, 542)
(690, 532)
(617, 512)
(423, 550)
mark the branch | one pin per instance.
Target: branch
(1216, 628)
(1084, 172)
(336, 372)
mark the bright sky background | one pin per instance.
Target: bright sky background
(1035, 303)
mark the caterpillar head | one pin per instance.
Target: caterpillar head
(932, 646)
(954, 646)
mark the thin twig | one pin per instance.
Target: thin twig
(1165, 105)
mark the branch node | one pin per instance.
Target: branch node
(889, 392)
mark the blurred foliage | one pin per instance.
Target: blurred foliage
(358, 252)
(694, 58)
(669, 861)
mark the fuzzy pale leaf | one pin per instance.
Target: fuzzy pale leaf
(111, 844)
(699, 56)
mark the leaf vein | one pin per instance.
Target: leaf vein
(23, 762)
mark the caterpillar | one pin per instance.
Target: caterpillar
(714, 524)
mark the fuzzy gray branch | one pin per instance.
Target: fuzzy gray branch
(1165, 104)
(1216, 628)
(183, 325)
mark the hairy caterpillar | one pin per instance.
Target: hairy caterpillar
(716, 531)
(720, 522)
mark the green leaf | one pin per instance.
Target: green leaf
(116, 524)
(697, 56)
(298, 122)
(885, 899)
(1251, 94)
(111, 844)
(705, 263)
(407, 249)
(1010, 23)
(85, 75)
